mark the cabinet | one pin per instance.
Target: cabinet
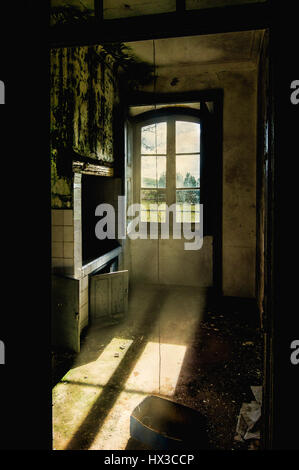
(108, 295)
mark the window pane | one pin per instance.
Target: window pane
(153, 216)
(187, 137)
(153, 139)
(153, 172)
(152, 196)
(188, 196)
(187, 216)
(187, 205)
(187, 171)
(153, 206)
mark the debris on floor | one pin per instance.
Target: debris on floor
(220, 374)
(258, 393)
(248, 424)
(222, 359)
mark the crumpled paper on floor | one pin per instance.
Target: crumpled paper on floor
(249, 417)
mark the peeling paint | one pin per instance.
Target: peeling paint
(86, 85)
(83, 95)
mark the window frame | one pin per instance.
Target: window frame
(170, 116)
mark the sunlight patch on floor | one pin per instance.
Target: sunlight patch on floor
(78, 390)
(144, 380)
(145, 376)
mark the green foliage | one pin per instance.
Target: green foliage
(189, 181)
(135, 73)
(188, 196)
(152, 182)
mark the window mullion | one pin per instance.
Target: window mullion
(171, 172)
(137, 165)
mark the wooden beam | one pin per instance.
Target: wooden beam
(148, 98)
(98, 10)
(187, 23)
(180, 5)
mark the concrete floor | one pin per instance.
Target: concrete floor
(164, 346)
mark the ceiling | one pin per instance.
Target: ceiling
(201, 51)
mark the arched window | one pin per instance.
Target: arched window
(167, 166)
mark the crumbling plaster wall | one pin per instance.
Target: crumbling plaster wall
(84, 93)
(239, 84)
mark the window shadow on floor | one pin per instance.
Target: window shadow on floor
(87, 431)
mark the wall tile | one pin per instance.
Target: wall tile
(57, 233)
(68, 234)
(68, 250)
(57, 263)
(68, 265)
(57, 217)
(68, 217)
(57, 249)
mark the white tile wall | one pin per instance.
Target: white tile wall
(63, 241)
(77, 226)
(68, 217)
(68, 233)
(57, 249)
(57, 217)
(67, 249)
(57, 233)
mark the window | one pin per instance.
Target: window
(168, 168)
(187, 169)
(153, 172)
